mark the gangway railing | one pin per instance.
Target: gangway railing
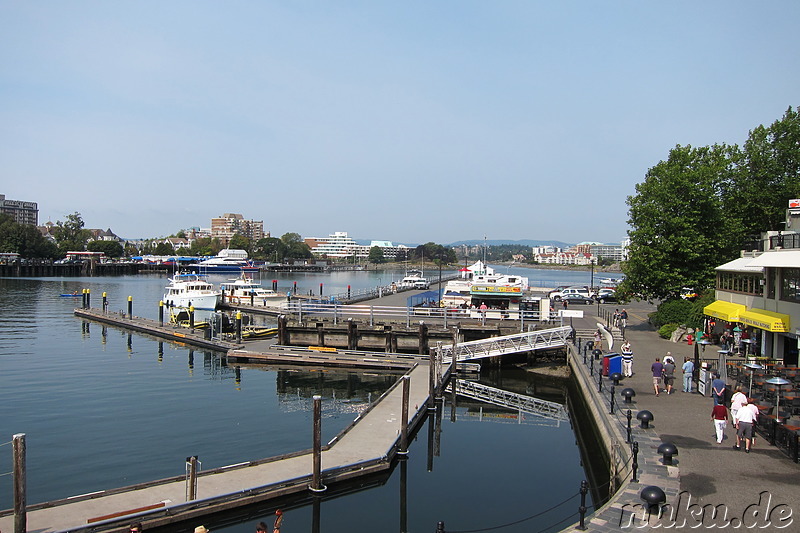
(338, 311)
(520, 342)
(511, 400)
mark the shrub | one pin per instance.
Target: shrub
(677, 311)
(665, 331)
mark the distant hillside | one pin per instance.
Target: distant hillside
(479, 242)
(524, 242)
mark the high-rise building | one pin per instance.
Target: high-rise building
(21, 212)
(230, 224)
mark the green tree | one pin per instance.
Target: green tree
(109, 248)
(269, 249)
(164, 248)
(295, 247)
(24, 239)
(240, 242)
(679, 229)
(70, 234)
(376, 255)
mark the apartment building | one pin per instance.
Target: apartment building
(230, 224)
(21, 212)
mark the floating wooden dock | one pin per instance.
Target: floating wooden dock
(366, 447)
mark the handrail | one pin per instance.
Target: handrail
(519, 342)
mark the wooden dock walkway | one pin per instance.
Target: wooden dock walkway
(366, 447)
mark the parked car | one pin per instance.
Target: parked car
(577, 299)
(606, 295)
(558, 295)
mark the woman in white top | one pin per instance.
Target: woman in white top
(737, 401)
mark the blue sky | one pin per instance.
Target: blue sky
(405, 121)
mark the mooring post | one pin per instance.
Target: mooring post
(130, 306)
(161, 312)
(404, 420)
(83, 298)
(582, 508)
(432, 381)
(88, 298)
(440, 527)
(352, 335)
(20, 485)
(348, 292)
(191, 317)
(316, 480)
(105, 302)
(371, 314)
(239, 327)
(635, 465)
(453, 357)
(191, 478)
(629, 416)
(320, 289)
(423, 338)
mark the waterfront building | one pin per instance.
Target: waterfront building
(760, 292)
(21, 212)
(564, 258)
(230, 224)
(339, 245)
(612, 252)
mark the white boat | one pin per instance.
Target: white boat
(414, 280)
(244, 290)
(228, 260)
(190, 290)
(481, 284)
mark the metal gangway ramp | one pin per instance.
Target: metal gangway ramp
(519, 342)
(511, 400)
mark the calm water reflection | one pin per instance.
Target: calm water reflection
(102, 408)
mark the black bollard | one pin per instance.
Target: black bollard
(599, 382)
(130, 306)
(582, 509)
(635, 464)
(667, 450)
(239, 327)
(105, 302)
(348, 292)
(591, 366)
(629, 416)
(613, 391)
(161, 312)
(320, 289)
(88, 298)
(440, 527)
(275, 285)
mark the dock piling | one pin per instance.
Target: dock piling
(130, 306)
(105, 302)
(404, 417)
(316, 480)
(191, 478)
(20, 485)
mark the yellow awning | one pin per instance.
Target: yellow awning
(724, 310)
(766, 320)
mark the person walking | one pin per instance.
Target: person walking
(719, 415)
(718, 390)
(688, 373)
(627, 359)
(747, 416)
(737, 402)
(623, 319)
(669, 375)
(658, 370)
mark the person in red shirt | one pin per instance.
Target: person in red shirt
(719, 415)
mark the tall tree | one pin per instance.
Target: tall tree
(70, 234)
(679, 229)
(24, 239)
(109, 248)
(269, 249)
(376, 255)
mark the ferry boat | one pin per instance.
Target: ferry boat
(187, 290)
(244, 288)
(228, 260)
(481, 284)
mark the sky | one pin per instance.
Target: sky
(408, 121)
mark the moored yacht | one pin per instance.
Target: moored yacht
(190, 290)
(228, 260)
(244, 290)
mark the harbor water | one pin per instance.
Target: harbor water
(103, 408)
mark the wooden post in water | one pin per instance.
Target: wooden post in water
(455, 350)
(320, 334)
(130, 306)
(316, 479)
(432, 381)
(404, 417)
(283, 337)
(352, 335)
(191, 478)
(387, 332)
(423, 338)
(20, 485)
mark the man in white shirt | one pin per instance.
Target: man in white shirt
(747, 416)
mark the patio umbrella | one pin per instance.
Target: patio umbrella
(778, 381)
(753, 367)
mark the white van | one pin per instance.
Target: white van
(583, 291)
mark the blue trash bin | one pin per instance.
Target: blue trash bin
(614, 363)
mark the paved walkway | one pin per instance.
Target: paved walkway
(710, 473)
